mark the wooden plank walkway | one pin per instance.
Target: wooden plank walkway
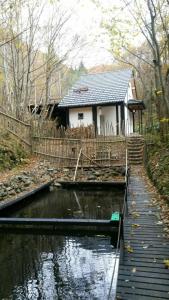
(142, 274)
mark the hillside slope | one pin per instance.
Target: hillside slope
(11, 153)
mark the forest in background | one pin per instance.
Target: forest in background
(34, 70)
(34, 48)
(33, 61)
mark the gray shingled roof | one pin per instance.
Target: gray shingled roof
(101, 88)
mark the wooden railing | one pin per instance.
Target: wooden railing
(19, 129)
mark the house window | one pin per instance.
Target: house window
(80, 116)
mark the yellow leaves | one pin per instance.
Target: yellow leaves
(135, 214)
(135, 225)
(1, 77)
(164, 120)
(18, 45)
(158, 92)
(166, 263)
(52, 1)
(129, 249)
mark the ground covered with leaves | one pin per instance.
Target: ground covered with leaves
(158, 167)
(11, 153)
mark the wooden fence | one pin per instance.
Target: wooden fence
(46, 128)
(64, 151)
(19, 129)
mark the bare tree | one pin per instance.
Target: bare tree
(148, 18)
(34, 51)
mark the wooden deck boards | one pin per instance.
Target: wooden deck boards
(142, 274)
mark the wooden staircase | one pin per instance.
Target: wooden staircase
(135, 146)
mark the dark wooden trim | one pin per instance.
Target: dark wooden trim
(91, 105)
(94, 113)
(122, 118)
(67, 117)
(134, 81)
(133, 121)
(141, 121)
(117, 119)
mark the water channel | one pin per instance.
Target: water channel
(51, 267)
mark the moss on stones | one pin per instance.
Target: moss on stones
(11, 152)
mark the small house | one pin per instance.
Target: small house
(105, 100)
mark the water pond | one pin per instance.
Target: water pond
(62, 203)
(50, 267)
(54, 267)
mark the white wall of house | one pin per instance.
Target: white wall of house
(74, 120)
(105, 114)
(108, 114)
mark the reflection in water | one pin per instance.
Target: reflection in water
(55, 267)
(93, 204)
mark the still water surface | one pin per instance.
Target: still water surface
(35, 267)
(51, 267)
(62, 203)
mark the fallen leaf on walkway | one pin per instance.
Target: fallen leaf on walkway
(166, 263)
(135, 225)
(145, 247)
(133, 270)
(159, 223)
(129, 249)
(135, 215)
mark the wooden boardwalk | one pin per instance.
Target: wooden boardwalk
(142, 273)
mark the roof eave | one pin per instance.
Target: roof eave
(136, 105)
(91, 104)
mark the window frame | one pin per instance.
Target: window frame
(80, 116)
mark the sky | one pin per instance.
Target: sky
(87, 23)
(86, 19)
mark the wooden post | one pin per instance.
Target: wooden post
(94, 111)
(141, 122)
(122, 119)
(133, 121)
(117, 120)
(77, 164)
